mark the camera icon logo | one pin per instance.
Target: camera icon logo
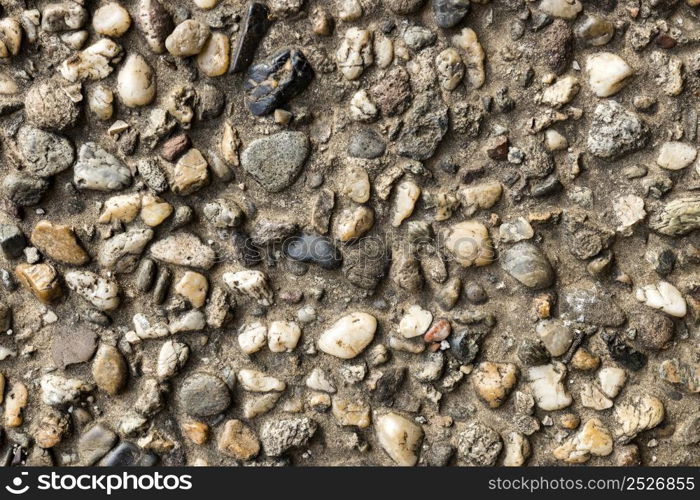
(16, 488)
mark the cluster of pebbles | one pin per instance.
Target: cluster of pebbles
(378, 232)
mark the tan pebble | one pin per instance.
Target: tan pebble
(187, 39)
(41, 280)
(197, 432)
(569, 421)
(493, 382)
(190, 173)
(354, 223)
(321, 22)
(238, 441)
(194, 287)
(123, 208)
(585, 361)
(109, 369)
(469, 243)
(10, 37)
(351, 412)
(206, 4)
(154, 210)
(593, 439)
(100, 101)
(59, 243)
(213, 60)
(230, 144)
(474, 56)
(15, 402)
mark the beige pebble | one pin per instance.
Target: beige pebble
(415, 322)
(252, 337)
(194, 287)
(608, 73)
(675, 155)
(283, 336)
(474, 56)
(154, 210)
(15, 401)
(407, 193)
(213, 60)
(10, 37)
(111, 19)
(122, 208)
(136, 82)
(206, 4)
(190, 173)
(100, 102)
(469, 243)
(257, 381)
(593, 439)
(400, 438)
(187, 39)
(354, 223)
(356, 184)
(354, 53)
(348, 336)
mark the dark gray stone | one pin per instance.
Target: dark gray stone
(366, 144)
(45, 154)
(449, 13)
(12, 241)
(276, 161)
(314, 249)
(203, 395)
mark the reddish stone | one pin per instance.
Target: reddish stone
(174, 147)
(438, 332)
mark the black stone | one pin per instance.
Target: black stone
(465, 344)
(545, 187)
(12, 240)
(270, 85)
(255, 25)
(624, 354)
(389, 384)
(366, 144)
(314, 249)
(449, 13)
(124, 455)
(666, 260)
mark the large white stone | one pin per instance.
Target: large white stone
(663, 296)
(400, 438)
(257, 381)
(283, 336)
(675, 155)
(608, 73)
(415, 322)
(349, 336)
(547, 386)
